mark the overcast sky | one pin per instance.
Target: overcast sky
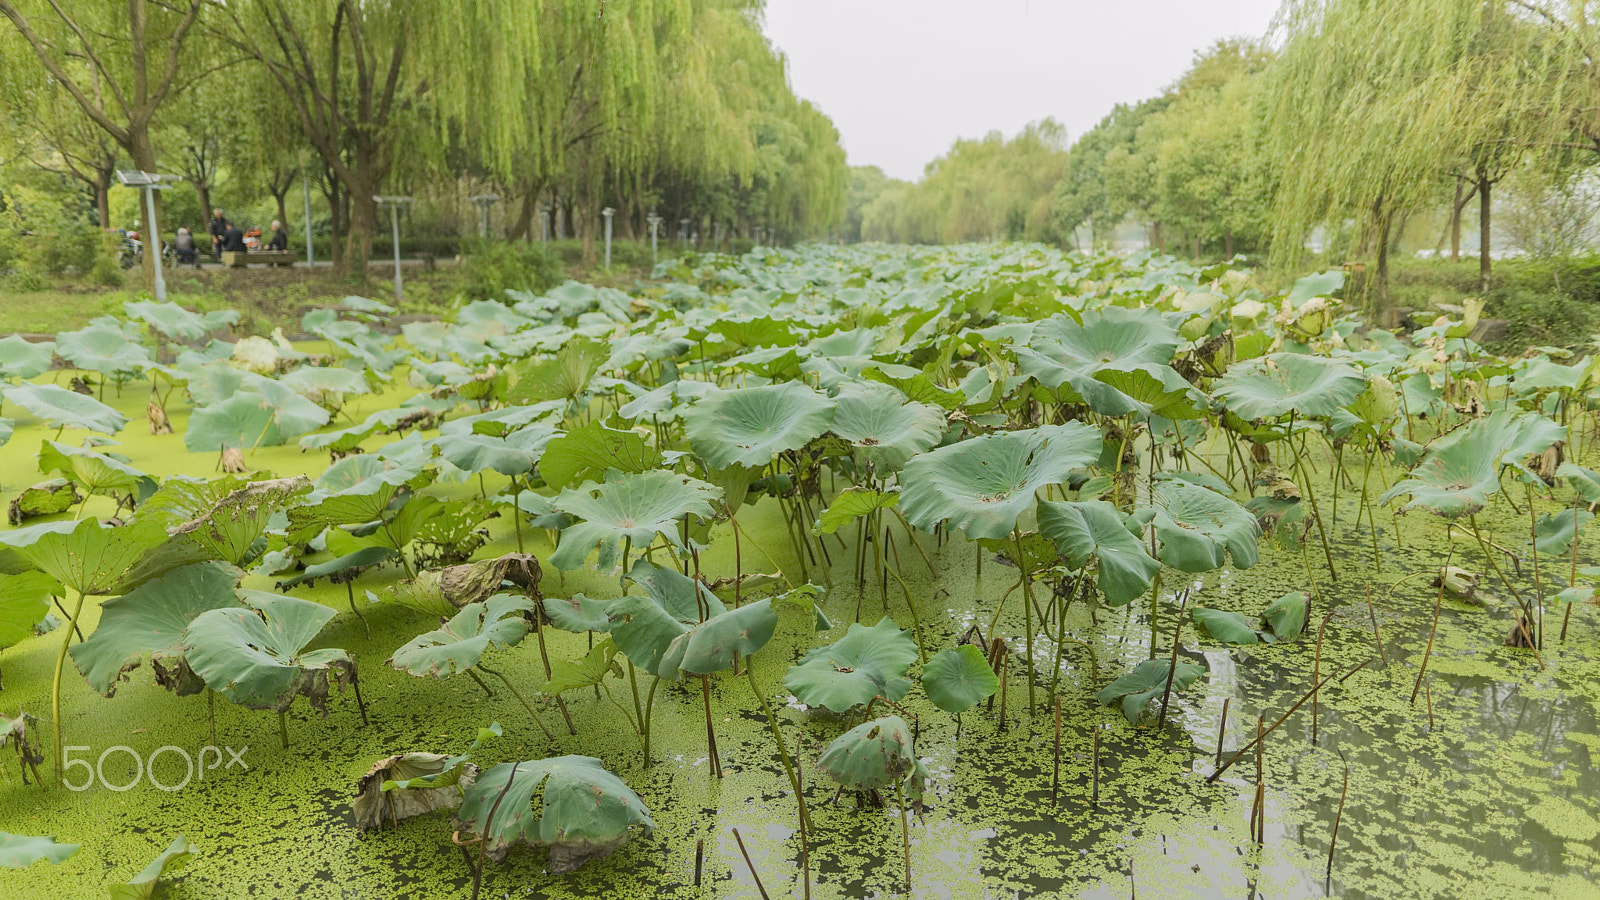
(902, 79)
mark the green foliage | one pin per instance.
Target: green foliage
(490, 268)
(569, 804)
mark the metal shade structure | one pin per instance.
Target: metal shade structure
(394, 203)
(147, 182)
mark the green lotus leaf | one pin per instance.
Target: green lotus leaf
(62, 408)
(958, 678)
(19, 851)
(220, 520)
(514, 454)
(751, 426)
(1555, 534)
(1147, 681)
(1322, 284)
(102, 348)
(171, 319)
(1227, 627)
(97, 473)
(24, 602)
(876, 755)
(865, 663)
(570, 804)
(586, 453)
(918, 388)
(1198, 529)
(883, 426)
(1096, 528)
(87, 556)
(23, 359)
(143, 885)
(47, 498)
(587, 672)
(1066, 352)
(1276, 385)
(342, 568)
(577, 614)
(149, 622)
(342, 440)
(460, 643)
(561, 377)
(243, 421)
(983, 484)
(1586, 482)
(326, 323)
(712, 645)
(1461, 470)
(1156, 390)
(1286, 616)
(256, 657)
(326, 385)
(851, 504)
(7, 427)
(636, 506)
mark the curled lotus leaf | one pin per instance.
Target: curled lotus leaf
(570, 804)
(478, 581)
(1199, 529)
(143, 885)
(1095, 528)
(373, 805)
(257, 657)
(460, 643)
(876, 755)
(1460, 471)
(148, 623)
(1146, 682)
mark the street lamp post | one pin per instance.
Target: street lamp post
(305, 181)
(148, 183)
(608, 212)
(394, 204)
(655, 226)
(484, 201)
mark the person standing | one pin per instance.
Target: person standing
(218, 227)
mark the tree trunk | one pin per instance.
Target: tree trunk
(1389, 317)
(522, 227)
(1161, 238)
(283, 208)
(1197, 248)
(1483, 234)
(358, 242)
(203, 190)
(143, 154)
(102, 197)
(1455, 221)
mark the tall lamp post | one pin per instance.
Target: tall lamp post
(305, 182)
(608, 212)
(394, 204)
(484, 201)
(655, 226)
(148, 183)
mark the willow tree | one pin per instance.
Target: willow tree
(358, 73)
(118, 62)
(1373, 102)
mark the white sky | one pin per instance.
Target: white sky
(902, 79)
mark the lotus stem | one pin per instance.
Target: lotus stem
(1222, 729)
(1027, 611)
(916, 619)
(55, 687)
(1316, 674)
(485, 687)
(516, 511)
(1212, 778)
(1055, 777)
(1258, 812)
(1061, 633)
(1522, 623)
(1311, 495)
(711, 734)
(283, 729)
(350, 592)
(1338, 817)
(905, 828)
(1172, 664)
(355, 685)
(649, 711)
(520, 699)
(699, 859)
(752, 866)
(783, 750)
(1094, 776)
(488, 823)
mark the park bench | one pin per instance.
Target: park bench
(237, 260)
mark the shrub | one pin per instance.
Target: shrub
(489, 268)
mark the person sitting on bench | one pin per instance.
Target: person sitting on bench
(280, 238)
(233, 240)
(184, 248)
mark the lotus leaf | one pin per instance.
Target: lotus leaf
(1198, 529)
(66, 409)
(865, 663)
(19, 851)
(851, 504)
(583, 812)
(256, 657)
(876, 755)
(23, 359)
(149, 623)
(636, 506)
(883, 426)
(1096, 528)
(1147, 681)
(587, 453)
(457, 645)
(958, 678)
(751, 426)
(982, 485)
(143, 885)
(1461, 470)
(1276, 385)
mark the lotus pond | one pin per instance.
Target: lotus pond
(869, 572)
